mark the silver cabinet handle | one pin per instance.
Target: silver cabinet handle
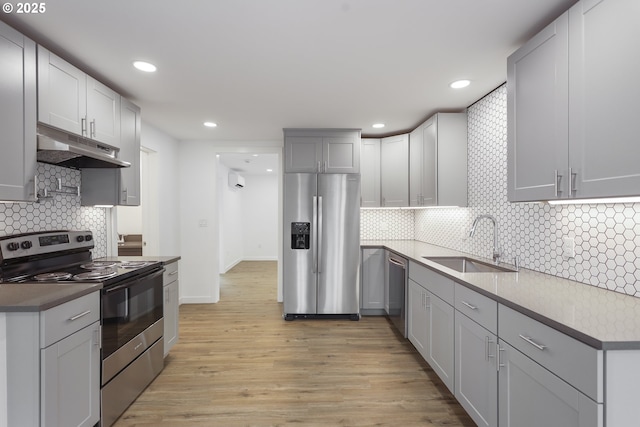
(572, 182)
(396, 262)
(487, 346)
(533, 343)
(426, 299)
(325, 167)
(499, 352)
(319, 169)
(83, 126)
(93, 128)
(556, 181)
(77, 316)
(472, 307)
(173, 273)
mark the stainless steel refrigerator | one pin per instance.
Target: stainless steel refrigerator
(321, 262)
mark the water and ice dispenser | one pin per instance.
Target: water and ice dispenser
(300, 233)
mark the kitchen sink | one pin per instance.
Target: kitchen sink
(468, 265)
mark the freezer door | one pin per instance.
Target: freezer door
(338, 243)
(299, 262)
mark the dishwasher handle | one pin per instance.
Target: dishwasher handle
(398, 263)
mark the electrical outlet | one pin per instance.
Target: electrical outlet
(568, 247)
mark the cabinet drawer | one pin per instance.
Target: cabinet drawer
(432, 281)
(577, 363)
(63, 320)
(170, 273)
(479, 308)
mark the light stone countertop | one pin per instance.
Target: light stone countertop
(598, 317)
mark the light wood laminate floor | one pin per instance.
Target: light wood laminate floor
(239, 364)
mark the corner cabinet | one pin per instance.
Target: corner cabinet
(17, 116)
(171, 287)
(322, 150)
(71, 100)
(394, 171)
(438, 161)
(53, 365)
(370, 173)
(570, 133)
(117, 186)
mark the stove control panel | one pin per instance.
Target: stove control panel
(42, 243)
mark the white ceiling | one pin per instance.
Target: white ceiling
(251, 164)
(256, 66)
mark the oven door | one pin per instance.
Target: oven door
(132, 320)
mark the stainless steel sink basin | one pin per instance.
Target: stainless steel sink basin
(468, 265)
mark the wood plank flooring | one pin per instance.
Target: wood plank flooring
(237, 363)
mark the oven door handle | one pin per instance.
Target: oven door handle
(133, 282)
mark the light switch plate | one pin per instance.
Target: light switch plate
(568, 247)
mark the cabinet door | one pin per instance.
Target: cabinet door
(103, 113)
(475, 371)
(417, 317)
(415, 167)
(130, 151)
(171, 309)
(370, 173)
(70, 380)
(537, 116)
(394, 171)
(531, 396)
(341, 154)
(373, 262)
(17, 115)
(303, 154)
(440, 339)
(430, 162)
(604, 93)
(62, 94)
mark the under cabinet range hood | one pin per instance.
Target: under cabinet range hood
(73, 151)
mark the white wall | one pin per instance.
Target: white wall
(199, 281)
(166, 179)
(260, 217)
(231, 221)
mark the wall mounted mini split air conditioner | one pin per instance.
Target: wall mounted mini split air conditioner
(235, 180)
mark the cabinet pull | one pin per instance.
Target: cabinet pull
(572, 182)
(487, 346)
(35, 187)
(472, 307)
(426, 301)
(556, 181)
(173, 273)
(533, 343)
(83, 126)
(499, 352)
(77, 316)
(319, 170)
(325, 167)
(92, 127)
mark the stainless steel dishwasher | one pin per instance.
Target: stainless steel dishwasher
(395, 291)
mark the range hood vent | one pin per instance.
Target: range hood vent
(73, 151)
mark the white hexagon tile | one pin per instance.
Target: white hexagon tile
(62, 212)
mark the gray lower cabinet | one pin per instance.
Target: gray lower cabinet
(370, 173)
(171, 287)
(53, 365)
(440, 339)
(394, 171)
(372, 276)
(17, 116)
(417, 317)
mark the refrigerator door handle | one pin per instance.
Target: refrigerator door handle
(319, 258)
(314, 235)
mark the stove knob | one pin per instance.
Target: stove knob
(26, 244)
(13, 246)
(88, 237)
(80, 238)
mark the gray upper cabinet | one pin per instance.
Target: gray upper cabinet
(370, 173)
(394, 171)
(117, 186)
(603, 98)
(17, 116)
(73, 101)
(571, 133)
(537, 115)
(322, 150)
(438, 161)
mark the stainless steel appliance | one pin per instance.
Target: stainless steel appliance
(322, 245)
(395, 292)
(131, 317)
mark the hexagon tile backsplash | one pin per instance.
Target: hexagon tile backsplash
(62, 212)
(607, 236)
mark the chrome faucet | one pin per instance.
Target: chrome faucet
(496, 251)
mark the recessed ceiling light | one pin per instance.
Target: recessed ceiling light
(459, 84)
(210, 124)
(254, 155)
(378, 125)
(145, 66)
(269, 170)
